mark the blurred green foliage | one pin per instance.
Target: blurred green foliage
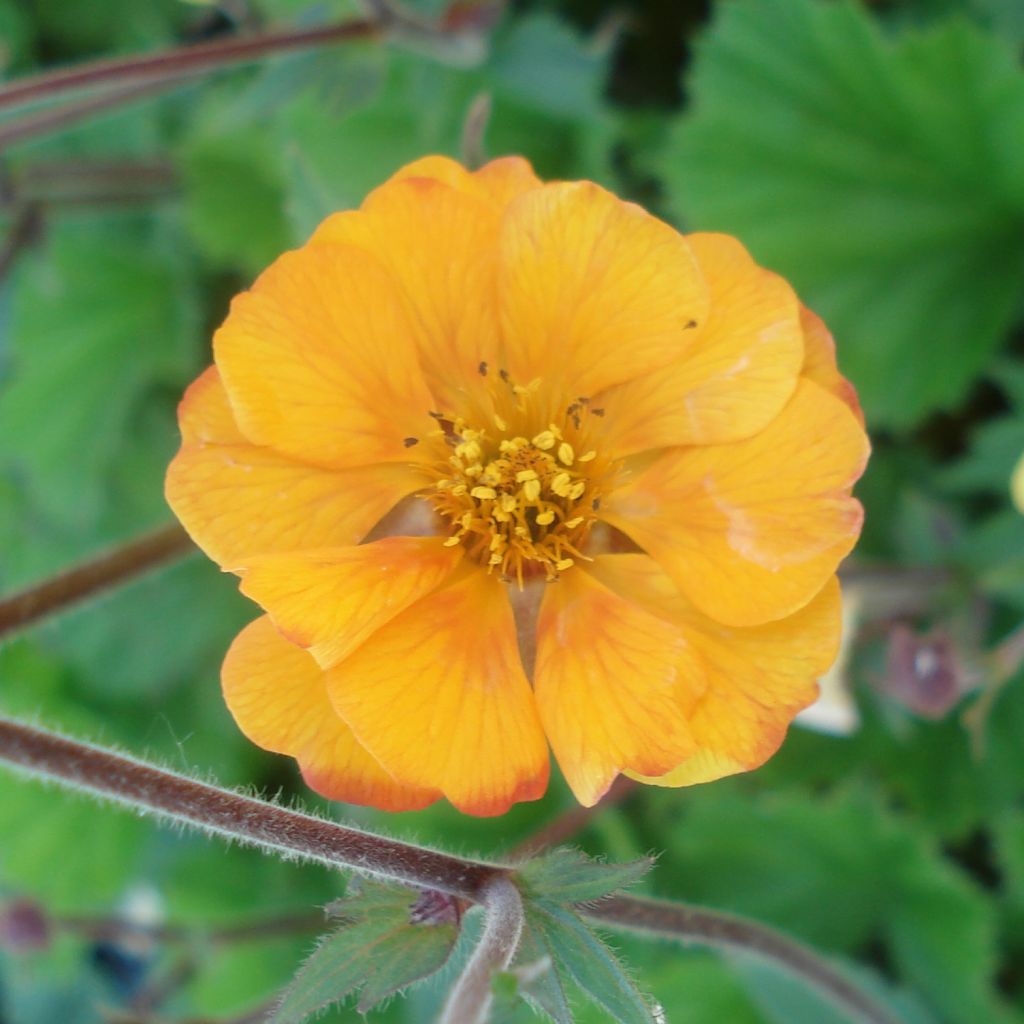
(874, 154)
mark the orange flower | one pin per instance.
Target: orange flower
(510, 464)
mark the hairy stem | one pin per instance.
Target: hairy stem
(181, 60)
(470, 999)
(245, 819)
(123, 563)
(723, 931)
(302, 836)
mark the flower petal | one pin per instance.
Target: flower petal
(739, 370)
(329, 601)
(593, 291)
(238, 500)
(319, 362)
(757, 678)
(750, 531)
(439, 697)
(820, 362)
(439, 245)
(277, 695)
(612, 683)
(498, 181)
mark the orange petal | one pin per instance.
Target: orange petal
(505, 178)
(737, 372)
(498, 181)
(820, 362)
(238, 500)
(750, 531)
(438, 244)
(757, 678)
(330, 601)
(439, 697)
(278, 697)
(612, 684)
(593, 291)
(319, 362)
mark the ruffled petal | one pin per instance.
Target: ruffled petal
(498, 181)
(438, 243)
(735, 376)
(613, 683)
(593, 291)
(238, 500)
(820, 362)
(751, 531)
(438, 695)
(757, 678)
(330, 601)
(319, 361)
(277, 695)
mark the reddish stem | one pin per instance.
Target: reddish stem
(130, 560)
(182, 60)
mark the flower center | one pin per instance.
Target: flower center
(521, 503)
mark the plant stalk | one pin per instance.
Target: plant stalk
(181, 60)
(27, 607)
(245, 819)
(471, 997)
(688, 924)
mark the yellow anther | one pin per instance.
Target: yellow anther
(565, 453)
(495, 559)
(508, 503)
(484, 493)
(526, 474)
(544, 440)
(546, 518)
(459, 490)
(564, 563)
(577, 489)
(453, 540)
(562, 485)
(571, 523)
(469, 450)
(531, 490)
(587, 456)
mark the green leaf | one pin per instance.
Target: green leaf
(787, 1000)
(542, 985)
(777, 859)
(569, 876)
(101, 318)
(235, 200)
(884, 178)
(378, 950)
(578, 952)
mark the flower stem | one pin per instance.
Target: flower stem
(470, 999)
(723, 931)
(45, 122)
(245, 819)
(181, 60)
(29, 606)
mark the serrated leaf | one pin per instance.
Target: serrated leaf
(577, 951)
(378, 951)
(884, 178)
(569, 876)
